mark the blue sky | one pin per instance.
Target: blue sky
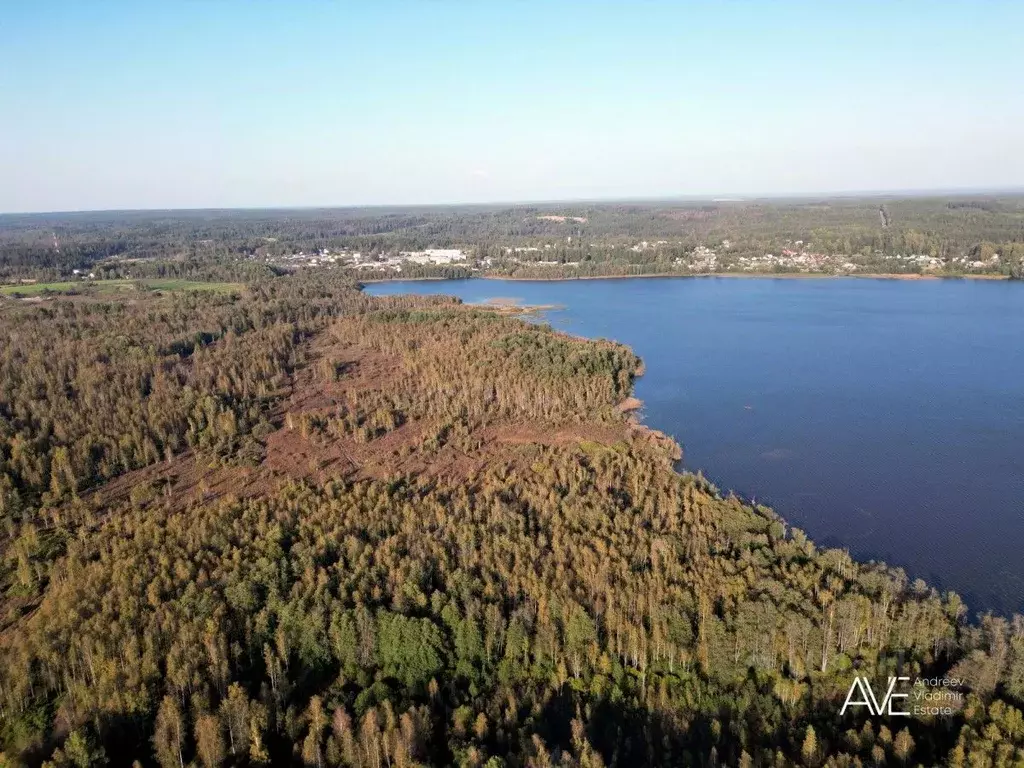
(196, 104)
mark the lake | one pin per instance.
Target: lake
(882, 416)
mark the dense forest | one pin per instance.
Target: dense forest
(963, 235)
(292, 524)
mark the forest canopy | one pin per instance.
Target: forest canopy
(293, 524)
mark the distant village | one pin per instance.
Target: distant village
(393, 262)
(721, 257)
(796, 257)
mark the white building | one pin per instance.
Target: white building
(434, 256)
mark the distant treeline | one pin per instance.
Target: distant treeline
(50, 246)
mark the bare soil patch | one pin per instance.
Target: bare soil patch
(333, 372)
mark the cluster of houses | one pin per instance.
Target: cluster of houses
(358, 260)
(958, 263)
(990, 263)
(702, 259)
(922, 261)
(791, 260)
(394, 262)
(433, 256)
(643, 245)
(316, 258)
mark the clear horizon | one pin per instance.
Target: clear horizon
(314, 105)
(709, 198)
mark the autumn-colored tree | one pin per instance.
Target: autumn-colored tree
(169, 734)
(903, 745)
(209, 740)
(809, 747)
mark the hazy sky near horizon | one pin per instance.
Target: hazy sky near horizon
(221, 104)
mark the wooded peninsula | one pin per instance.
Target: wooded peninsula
(250, 515)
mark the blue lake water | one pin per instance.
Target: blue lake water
(883, 416)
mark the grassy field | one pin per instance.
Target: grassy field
(111, 286)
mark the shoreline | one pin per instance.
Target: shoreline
(408, 279)
(504, 306)
(733, 275)
(671, 447)
(632, 408)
